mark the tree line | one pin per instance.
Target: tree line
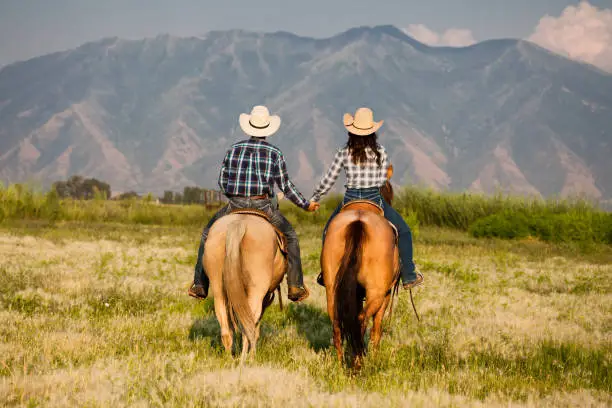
(192, 195)
(81, 188)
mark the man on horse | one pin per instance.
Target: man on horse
(248, 173)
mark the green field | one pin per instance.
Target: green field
(96, 313)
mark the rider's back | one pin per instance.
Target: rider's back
(367, 173)
(250, 167)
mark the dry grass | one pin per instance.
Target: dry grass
(97, 315)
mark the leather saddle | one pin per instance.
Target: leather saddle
(280, 237)
(370, 206)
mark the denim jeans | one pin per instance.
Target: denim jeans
(294, 269)
(407, 268)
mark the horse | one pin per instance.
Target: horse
(245, 263)
(360, 257)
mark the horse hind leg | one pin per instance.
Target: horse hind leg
(378, 319)
(222, 317)
(256, 304)
(249, 346)
(245, 348)
(372, 306)
(337, 335)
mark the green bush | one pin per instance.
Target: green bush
(507, 226)
(571, 226)
(461, 210)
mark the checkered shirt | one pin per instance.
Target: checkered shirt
(251, 167)
(362, 175)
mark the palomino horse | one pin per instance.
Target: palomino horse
(245, 265)
(359, 257)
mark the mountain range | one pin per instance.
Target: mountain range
(159, 113)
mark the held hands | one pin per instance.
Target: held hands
(314, 206)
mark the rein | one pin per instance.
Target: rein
(413, 307)
(394, 295)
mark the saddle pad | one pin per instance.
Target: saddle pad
(280, 237)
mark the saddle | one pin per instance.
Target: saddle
(370, 206)
(280, 237)
(363, 205)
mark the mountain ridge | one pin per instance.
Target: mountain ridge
(158, 113)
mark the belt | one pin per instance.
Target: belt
(257, 197)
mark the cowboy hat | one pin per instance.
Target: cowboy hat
(362, 124)
(259, 123)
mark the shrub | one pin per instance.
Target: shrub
(571, 226)
(503, 225)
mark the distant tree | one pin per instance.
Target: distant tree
(92, 185)
(168, 197)
(78, 187)
(128, 195)
(197, 195)
(61, 188)
(75, 186)
(192, 195)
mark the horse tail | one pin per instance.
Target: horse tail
(347, 291)
(234, 281)
(386, 190)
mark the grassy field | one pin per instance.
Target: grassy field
(96, 314)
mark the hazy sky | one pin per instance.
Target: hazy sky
(33, 27)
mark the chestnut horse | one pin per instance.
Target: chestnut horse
(359, 258)
(245, 264)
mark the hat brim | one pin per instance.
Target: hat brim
(364, 132)
(273, 126)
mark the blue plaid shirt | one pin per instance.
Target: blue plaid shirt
(252, 166)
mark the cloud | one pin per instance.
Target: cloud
(454, 37)
(581, 32)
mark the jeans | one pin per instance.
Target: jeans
(407, 268)
(294, 269)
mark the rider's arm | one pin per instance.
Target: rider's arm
(223, 176)
(281, 176)
(328, 181)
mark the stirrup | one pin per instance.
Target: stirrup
(417, 282)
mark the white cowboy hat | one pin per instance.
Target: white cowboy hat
(259, 123)
(362, 124)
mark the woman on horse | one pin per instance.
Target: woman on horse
(365, 163)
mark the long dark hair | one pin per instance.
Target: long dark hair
(357, 146)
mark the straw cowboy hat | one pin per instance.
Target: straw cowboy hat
(259, 123)
(362, 124)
